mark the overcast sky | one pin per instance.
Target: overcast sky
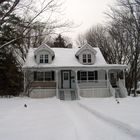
(86, 13)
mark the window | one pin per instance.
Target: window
(44, 76)
(87, 76)
(41, 58)
(44, 58)
(48, 76)
(66, 75)
(87, 58)
(84, 58)
(40, 76)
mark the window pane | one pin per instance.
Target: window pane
(83, 75)
(41, 58)
(84, 58)
(48, 76)
(46, 58)
(91, 75)
(66, 76)
(89, 58)
(84, 55)
(40, 76)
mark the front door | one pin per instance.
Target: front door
(66, 79)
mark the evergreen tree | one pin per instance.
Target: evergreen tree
(59, 42)
(10, 73)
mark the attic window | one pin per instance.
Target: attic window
(87, 58)
(84, 58)
(44, 58)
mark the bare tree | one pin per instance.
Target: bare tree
(127, 17)
(119, 41)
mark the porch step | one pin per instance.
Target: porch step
(67, 95)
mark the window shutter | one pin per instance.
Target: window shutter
(78, 75)
(52, 75)
(35, 76)
(96, 75)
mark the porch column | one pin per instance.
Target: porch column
(56, 79)
(107, 77)
(76, 83)
(124, 77)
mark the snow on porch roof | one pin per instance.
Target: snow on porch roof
(65, 57)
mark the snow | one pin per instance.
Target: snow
(64, 57)
(52, 119)
(125, 114)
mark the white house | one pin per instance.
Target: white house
(69, 73)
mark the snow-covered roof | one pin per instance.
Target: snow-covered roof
(65, 57)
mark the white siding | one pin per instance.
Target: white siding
(95, 92)
(101, 74)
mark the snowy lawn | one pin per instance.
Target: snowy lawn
(125, 113)
(52, 119)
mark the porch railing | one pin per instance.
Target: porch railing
(47, 84)
(92, 83)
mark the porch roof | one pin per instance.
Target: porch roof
(65, 58)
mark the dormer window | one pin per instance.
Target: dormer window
(86, 55)
(87, 58)
(84, 58)
(44, 58)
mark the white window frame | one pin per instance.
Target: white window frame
(87, 58)
(44, 76)
(44, 58)
(87, 77)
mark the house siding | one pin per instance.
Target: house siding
(95, 92)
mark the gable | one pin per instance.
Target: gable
(86, 55)
(44, 47)
(43, 54)
(86, 47)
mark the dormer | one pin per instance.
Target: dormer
(44, 54)
(86, 55)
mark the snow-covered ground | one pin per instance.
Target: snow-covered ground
(86, 119)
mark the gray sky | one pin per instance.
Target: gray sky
(86, 13)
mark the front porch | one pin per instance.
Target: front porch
(69, 84)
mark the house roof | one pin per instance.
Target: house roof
(65, 57)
